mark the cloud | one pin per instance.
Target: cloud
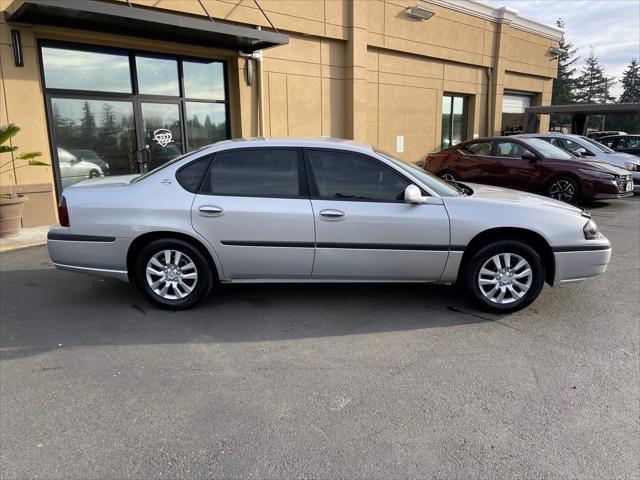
(611, 27)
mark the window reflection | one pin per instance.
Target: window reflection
(157, 76)
(82, 70)
(206, 123)
(94, 138)
(203, 80)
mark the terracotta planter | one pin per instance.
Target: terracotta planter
(11, 215)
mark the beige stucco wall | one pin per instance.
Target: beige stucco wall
(360, 70)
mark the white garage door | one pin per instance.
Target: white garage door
(515, 103)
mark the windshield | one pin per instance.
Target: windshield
(598, 145)
(442, 188)
(170, 162)
(547, 150)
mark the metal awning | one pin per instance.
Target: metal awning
(96, 15)
(579, 114)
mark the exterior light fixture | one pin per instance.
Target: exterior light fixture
(420, 13)
(555, 52)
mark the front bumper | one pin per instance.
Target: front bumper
(576, 265)
(93, 255)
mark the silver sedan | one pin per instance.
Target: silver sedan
(293, 210)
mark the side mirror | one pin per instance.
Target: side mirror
(580, 152)
(530, 157)
(412, 194)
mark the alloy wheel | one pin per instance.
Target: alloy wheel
(448, 177)
(505, 278)
(171, 274)
(562, 190)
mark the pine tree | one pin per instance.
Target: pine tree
(87, 123)
(565, 83)
(592, 83)
(631, 83)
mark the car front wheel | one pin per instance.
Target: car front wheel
(173, 274)
(505, 276)
(564, 189)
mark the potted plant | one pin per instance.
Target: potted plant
(12, 203)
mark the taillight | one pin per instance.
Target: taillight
(63, 213)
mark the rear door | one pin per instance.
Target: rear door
(364, 229)
(255, 210)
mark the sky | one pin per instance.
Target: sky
(611, 27)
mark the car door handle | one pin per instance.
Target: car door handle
(210, 210)
(497, 163)
(331, 214)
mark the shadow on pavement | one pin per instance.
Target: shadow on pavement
(42, 309)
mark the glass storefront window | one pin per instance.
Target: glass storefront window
(73, 69)
(204, 80)
(454, 120)
(206, 123)
(157, 76)
(94, 138)
(114, 111)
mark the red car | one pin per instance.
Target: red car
(532, 165)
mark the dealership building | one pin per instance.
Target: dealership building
(117, 87)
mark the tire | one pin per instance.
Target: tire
(565, 189)
(511, 281)
(183, 289)
(94, 174)
(448, 175)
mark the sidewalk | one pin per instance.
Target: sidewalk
(26, 237)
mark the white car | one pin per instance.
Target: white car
(322, 210)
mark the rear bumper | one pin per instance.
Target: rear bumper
(93, 255)
(577, 265)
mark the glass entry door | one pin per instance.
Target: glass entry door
(161, 133)
(454, 120)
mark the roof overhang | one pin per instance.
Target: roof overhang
(587, 108)
(96, 15)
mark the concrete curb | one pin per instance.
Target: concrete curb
(12, 248)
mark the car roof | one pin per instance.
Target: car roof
(308, 142)
(620, 136)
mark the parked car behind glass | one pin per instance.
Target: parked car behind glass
(74, 169)
(291, 210)
(622, 143)
(532, 165)
(91, 156)
(590, 149)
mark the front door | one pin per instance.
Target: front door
(364, 229)
(256, 213)
(509, 169)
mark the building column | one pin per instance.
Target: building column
(357, 73)
(499, 69)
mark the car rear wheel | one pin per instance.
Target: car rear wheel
(564, 189)
(505, 276)
(449, 176)
(173, 274)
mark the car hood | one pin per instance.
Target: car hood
(105, 181)
(601, 165)
(507, 195)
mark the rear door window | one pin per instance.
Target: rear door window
(510, 149)
(479, 148)
(263, 172)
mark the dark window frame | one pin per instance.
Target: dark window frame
(134, 96)
(303, 184)
(313, 187)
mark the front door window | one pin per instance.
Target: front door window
(127, 112)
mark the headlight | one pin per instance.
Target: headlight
(597, 174)
(590, 230)
(631, 166)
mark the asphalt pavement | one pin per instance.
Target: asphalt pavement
(321, 381)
